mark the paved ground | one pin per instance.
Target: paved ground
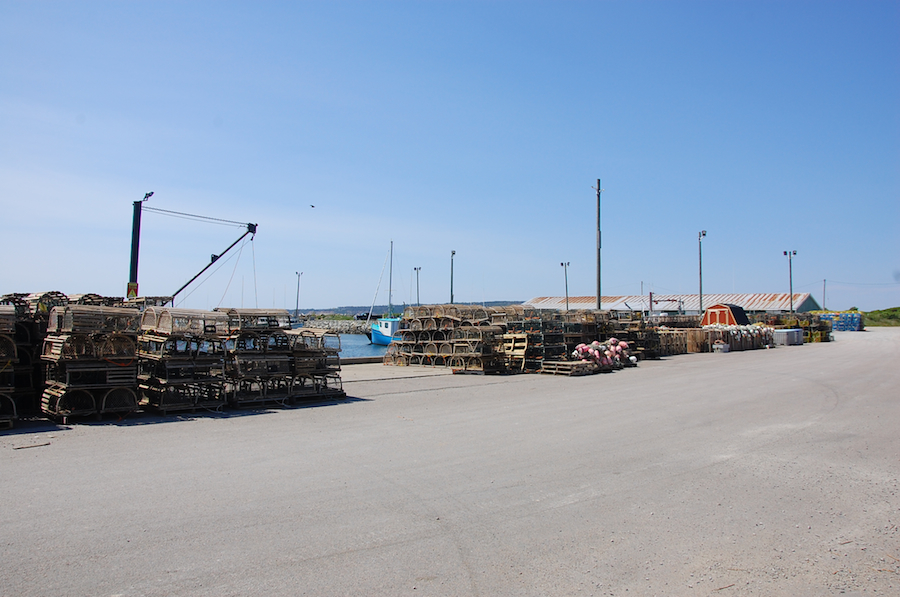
(772, 472)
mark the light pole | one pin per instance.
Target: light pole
(565, 266)
(700, 247)
(297, 308)
(452, 253)
(790, 254)
(599, 295)
(417, 270)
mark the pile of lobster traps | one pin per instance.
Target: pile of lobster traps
(472, 348)
(89, 357)
(80, 355)
(181, 358)
(512, 339)
(268, 362)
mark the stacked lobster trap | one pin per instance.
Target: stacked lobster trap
(316, 364)
(31, 315)
(466, 338)
(181, 357)
(258, 351)
(89, 358)
(8, 360)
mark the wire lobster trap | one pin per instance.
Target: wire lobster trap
(192, 322)
(257, 319)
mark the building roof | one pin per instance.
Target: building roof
(772, 302)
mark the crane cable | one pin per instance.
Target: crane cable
(194, 216)
(210, 274)
(227, 286)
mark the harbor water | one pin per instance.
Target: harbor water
(358, 345)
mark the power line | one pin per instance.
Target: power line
(830, 281)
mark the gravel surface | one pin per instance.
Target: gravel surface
(770, 472)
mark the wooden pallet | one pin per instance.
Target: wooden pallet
(570, 368)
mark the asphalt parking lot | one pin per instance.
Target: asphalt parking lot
(770, 472)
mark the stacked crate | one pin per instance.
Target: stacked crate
(89, 357)
(545, 341)
(8, 361)
(477, 349)
(315, 364)
(181, 358)
(258, 355)
(845, 321)
(579, 327)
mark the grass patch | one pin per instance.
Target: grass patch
(885, 317)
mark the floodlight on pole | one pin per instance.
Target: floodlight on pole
(297, 307)
(790, 254)
(599, 245)
(700, 247)
(452, 253)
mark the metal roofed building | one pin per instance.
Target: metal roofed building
(683, 303)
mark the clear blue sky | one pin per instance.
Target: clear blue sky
(478, 127)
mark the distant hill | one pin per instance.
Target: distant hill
(379, 309)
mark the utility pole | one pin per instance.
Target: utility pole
(599, 245)
(132, 290)
(417, 270)
(565, 266)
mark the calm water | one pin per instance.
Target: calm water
(357, 345)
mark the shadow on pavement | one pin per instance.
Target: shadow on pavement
(37, 424)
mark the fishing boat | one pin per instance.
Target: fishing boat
(382, 331)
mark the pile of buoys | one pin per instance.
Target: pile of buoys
(612, 353)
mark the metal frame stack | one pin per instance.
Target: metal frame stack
(181, 358)
(89, 357)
